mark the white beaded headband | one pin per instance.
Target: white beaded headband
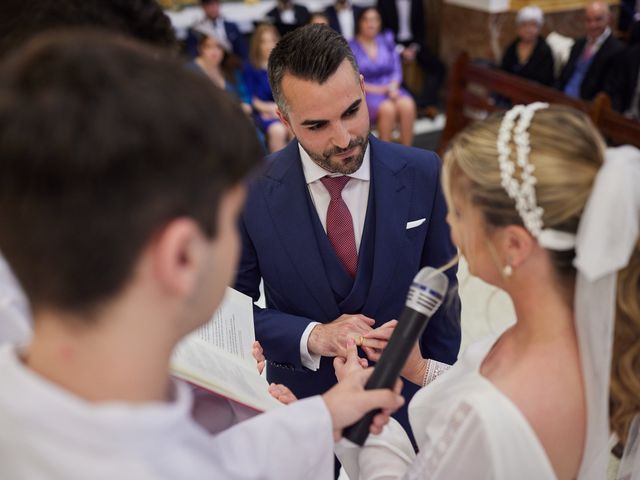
(524, 192)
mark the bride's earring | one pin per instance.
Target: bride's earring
(507, 271)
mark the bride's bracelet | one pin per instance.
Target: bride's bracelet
(434, 370)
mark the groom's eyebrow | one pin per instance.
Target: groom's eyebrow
(320, 122)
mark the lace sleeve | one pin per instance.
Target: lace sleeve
(433, 371)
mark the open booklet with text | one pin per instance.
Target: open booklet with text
(217, 356)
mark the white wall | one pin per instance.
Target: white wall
(490, 6)
(243, 13)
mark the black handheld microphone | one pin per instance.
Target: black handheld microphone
(425, 296)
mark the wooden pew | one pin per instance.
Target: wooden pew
(473, 89)
(615, 128)
(412, 77)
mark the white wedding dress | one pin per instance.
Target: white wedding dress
(465, 427)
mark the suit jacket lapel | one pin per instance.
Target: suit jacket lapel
(287, 199)
(392, 197)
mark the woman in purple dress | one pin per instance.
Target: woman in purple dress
(379, 62)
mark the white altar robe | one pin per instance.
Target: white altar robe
(48, 433)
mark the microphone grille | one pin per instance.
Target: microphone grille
(427, 291)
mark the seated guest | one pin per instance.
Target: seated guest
(90, 396)
(342, 17)
(529, 56)
(379, 63)
(221, 66)
(287, 16)
(623, 86)
(263, 40)
(406, 19)
(591, 57)
(227, 33)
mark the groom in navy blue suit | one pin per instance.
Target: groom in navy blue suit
(337, 265)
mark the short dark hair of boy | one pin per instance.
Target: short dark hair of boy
(142, 19)
(103, 141)
(312, 52)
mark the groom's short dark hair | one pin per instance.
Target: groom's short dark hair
(313, 52)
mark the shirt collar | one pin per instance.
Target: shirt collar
(601, 39)
(314, 172)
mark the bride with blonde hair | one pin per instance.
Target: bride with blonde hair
(540, 209)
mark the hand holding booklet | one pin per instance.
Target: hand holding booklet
(217, 356)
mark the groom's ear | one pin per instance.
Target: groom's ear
(285, 120)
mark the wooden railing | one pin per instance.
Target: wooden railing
(478, 90)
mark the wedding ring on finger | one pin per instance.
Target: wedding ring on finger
(359, 341)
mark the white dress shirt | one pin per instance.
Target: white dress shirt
(288, 16)
(404, 23)
(345, 19)
(221, 33)
(356, 195)
(597, 43)
(47, 432)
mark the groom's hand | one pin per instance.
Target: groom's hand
(330, 339)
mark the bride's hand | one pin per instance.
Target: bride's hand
(375, 341)
(415, 367)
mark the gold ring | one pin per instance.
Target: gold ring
(359, 341)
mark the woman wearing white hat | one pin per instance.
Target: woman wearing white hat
(529, 56)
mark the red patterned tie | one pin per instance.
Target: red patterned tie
(340, 224)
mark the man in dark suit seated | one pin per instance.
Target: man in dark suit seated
(339, 223)
(287, 16)
(405, 18)
(224, 31)
(623, 84)
(342, 17)
(591, 57)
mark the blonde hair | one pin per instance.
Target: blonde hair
(567, 152)
(256, 41)
(624, 393)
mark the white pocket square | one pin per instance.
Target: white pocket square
(415, 223)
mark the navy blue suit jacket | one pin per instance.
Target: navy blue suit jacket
(595, 78)
(280, 246)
